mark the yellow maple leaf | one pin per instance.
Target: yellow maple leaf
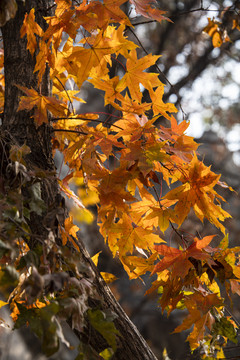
(136, 266)
(158, 106)
(124, 236)
(95, 258)
(97, 55)
(69, 230)
(214, 30)
(108, 277)
(109, 86)
(135, 75)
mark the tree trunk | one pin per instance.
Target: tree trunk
(19, 127)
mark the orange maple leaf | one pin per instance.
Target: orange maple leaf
(109, 11)
(30, 28)
(42, 58)
(42, 104)
(178, 260)
(200, 307)
(136, 266)
(160, 216)
(197, 192)
(105, 140)
(70, 230)
(61, 21)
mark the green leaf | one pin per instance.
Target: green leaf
(36, 203)
(31, 258)
(43, 323)
(154, 153)
(104, 325)
(224, 243)
(86, 352)
(107, 354)
(225, 328)
(8, 277)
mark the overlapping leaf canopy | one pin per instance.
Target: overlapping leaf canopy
(134, 214)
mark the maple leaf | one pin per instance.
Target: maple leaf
(109, 86)
(178, 128)
(147, 9)
(69, 230)
(199, 307)
(133, 106)
(158, 106)
(181, 146)
(42, 104)
(197, 192)
(156, 152)
(184, 148)
(98, 54)
(123, 236)
(108, 277)
(62, 6)
(135, 75)
(135, 266)
(109, 12)
(134, 127)
(42, 59)
(112, 196)
(218, 36)
(30, 28)
(133, 154)
(160, 216)
(178, 260)
(106, 141)
(88, 196)
(61, 21)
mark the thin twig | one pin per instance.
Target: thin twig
(70, 131)
(177, 232)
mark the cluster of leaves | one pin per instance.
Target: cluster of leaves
(126, 160)
(219, 30)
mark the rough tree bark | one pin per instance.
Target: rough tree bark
(18, 127)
